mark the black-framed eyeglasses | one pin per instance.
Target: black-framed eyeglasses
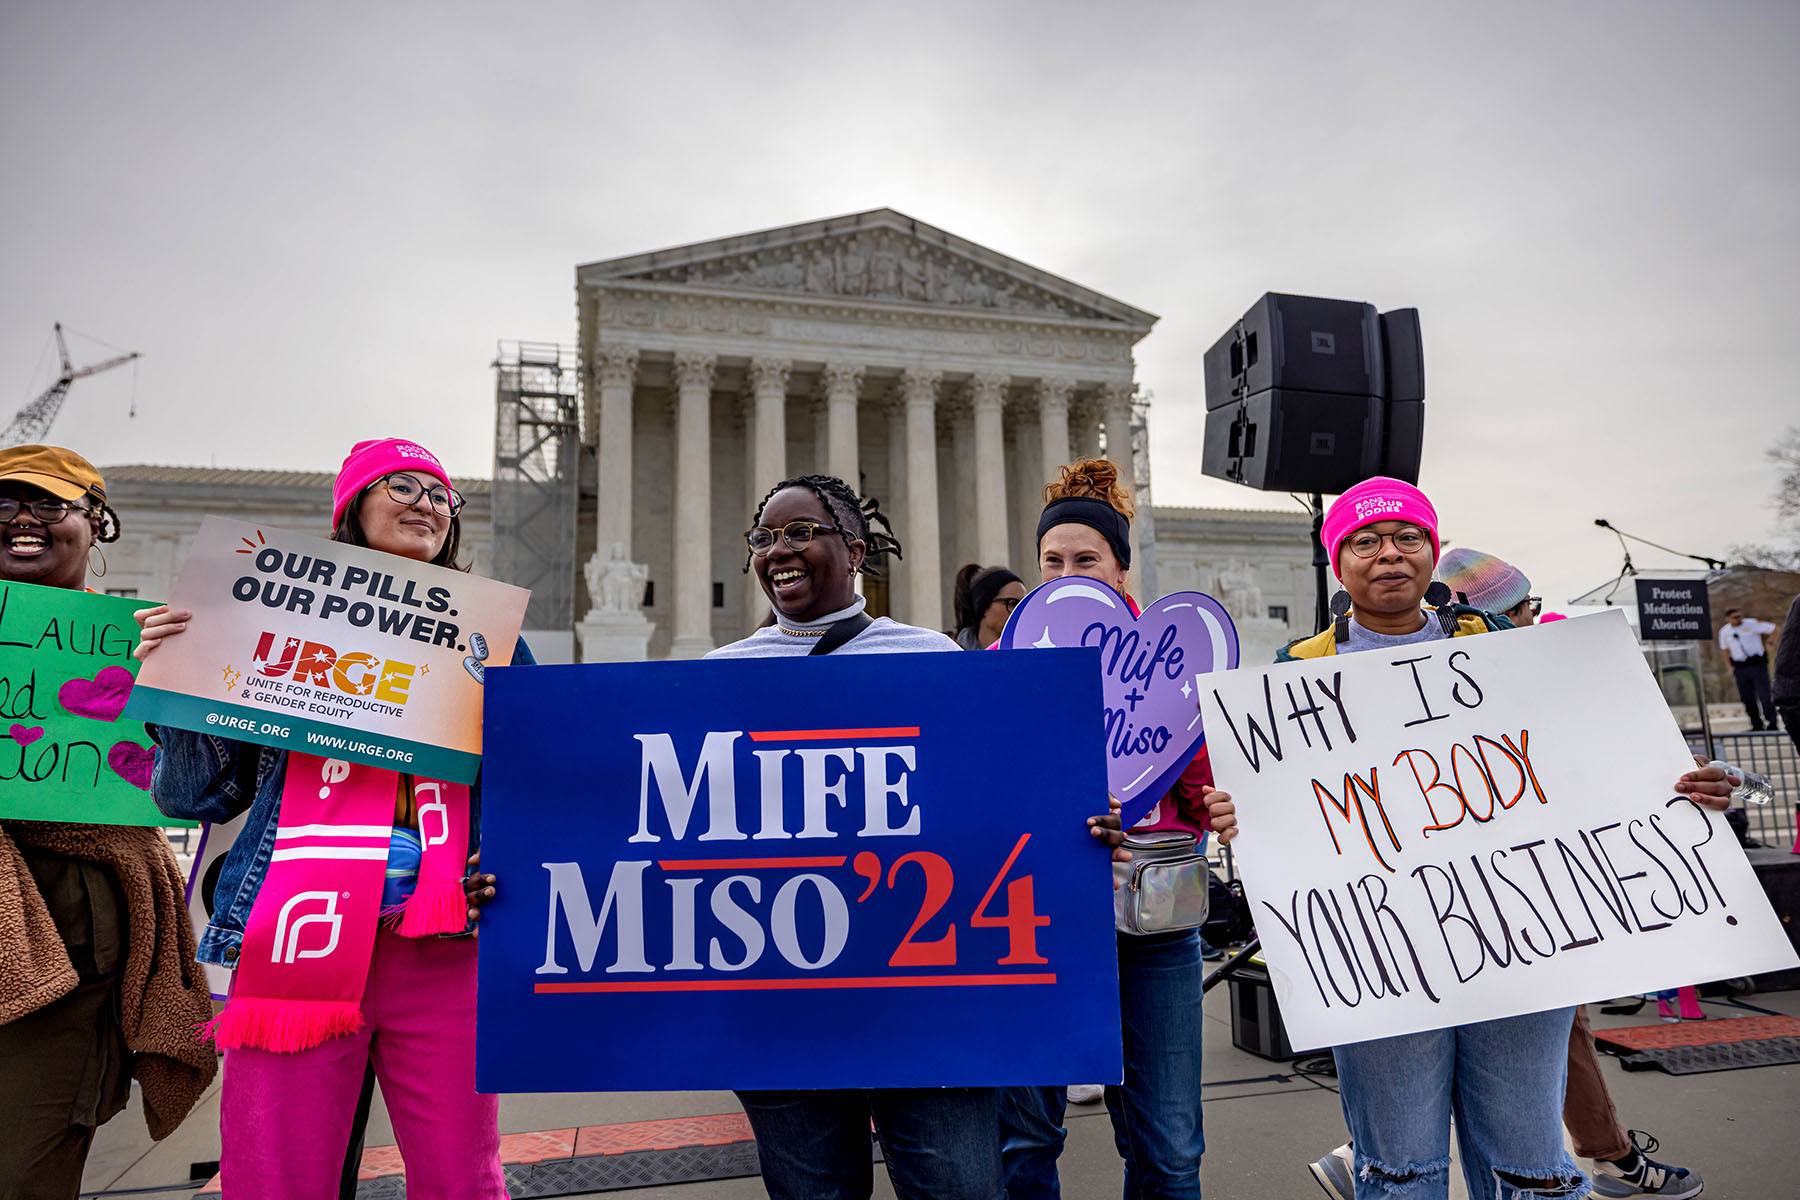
(1011, 602)
(797, 534)
(49, 510)
(1367, 543)
(1537, 604)
(405, 491)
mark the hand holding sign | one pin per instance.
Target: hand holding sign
(1154, 664)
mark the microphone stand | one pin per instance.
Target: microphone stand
(1628, 569)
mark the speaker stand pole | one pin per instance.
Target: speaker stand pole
(1322, 612)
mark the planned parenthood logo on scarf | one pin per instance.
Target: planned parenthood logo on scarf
(856, 871)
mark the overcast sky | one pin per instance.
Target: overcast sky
(316, 220)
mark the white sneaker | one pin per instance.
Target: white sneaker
(1086, 1093)
(1336, 1173)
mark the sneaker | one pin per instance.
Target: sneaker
(1086, 1093)
(1651, 1178)
(1336, 1173)
(1210, 952)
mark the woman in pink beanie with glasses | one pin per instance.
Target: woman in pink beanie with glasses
(1504, 1079)
(397, 993)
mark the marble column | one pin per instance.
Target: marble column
(841, 384)
(1115, 408)
(987, 404)
(924, 592)
(1084, 427)
(614, 628)
(895, 505)
(693, 505)
(765, 430)
(1028, 490)
(1053, 423)
(615, 371)
(964, 469)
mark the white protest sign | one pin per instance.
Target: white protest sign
(1475, 828)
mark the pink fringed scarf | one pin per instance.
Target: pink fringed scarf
(311, 933)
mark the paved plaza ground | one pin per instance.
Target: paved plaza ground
(1264, 1122)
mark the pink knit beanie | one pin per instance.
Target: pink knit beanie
(1377, 499)
(369, 461)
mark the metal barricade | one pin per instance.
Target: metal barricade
(1771, 754)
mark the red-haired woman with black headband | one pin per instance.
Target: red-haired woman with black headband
(1085, 530)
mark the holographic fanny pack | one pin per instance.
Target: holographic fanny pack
(1163, 889)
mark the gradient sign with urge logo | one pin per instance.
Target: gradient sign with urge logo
(66, 672)
(1153, 664)
(334, 650)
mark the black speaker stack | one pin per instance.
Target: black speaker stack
(1312, 395)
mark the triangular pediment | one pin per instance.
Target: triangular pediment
(879, 256)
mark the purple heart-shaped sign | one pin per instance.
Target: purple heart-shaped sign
(102, 697)
(1152, 666)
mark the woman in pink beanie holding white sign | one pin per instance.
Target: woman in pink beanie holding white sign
(394, 983)
(1504, 1078)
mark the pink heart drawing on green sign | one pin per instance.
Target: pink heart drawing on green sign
(132, 762)
(102, 697)
(25, 736)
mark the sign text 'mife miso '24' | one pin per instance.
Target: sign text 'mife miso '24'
(821, 872)
(1476, 828)
(335, 650)
(66, 753)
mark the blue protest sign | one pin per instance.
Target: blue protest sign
(849, 871)
(1153, 662)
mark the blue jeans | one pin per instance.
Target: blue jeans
(1504, 1082)
(1031, 1140)
(1156, 1111)
(939, 1143)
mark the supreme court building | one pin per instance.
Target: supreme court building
(937, 375)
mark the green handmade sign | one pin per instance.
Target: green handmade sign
(65, 673)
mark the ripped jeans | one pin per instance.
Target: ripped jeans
(1502, 1079)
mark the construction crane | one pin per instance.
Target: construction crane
(31, 423)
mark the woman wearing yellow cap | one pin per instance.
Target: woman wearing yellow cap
(97, 975)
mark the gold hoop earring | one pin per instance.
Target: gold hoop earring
(100, 571)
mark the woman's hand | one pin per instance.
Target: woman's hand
(1109, 830)
(477, 889)
(1221, 813)
(1709, 787)
(155, 624)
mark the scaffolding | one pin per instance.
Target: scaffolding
(1140, 494)
(537, 440)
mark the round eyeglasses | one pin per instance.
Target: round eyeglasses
(48, 510)
(406, 491)
(796, 534)
(1367, 543)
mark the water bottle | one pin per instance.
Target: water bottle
(1747, 787)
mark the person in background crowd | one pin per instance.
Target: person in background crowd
(98, 983)
(981, 601)
(1085, 529)
(1506, 1077)
(297, 1041)
(1741, 641)
(1787, 673)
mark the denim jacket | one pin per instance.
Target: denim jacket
(205, 777)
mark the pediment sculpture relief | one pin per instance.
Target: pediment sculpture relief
(878, 265)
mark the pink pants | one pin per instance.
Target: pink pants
(284, 1119)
